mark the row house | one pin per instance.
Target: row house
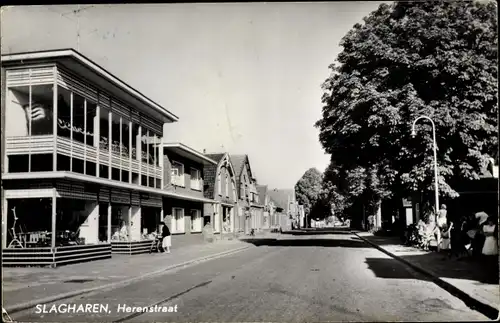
(286, 208)
(250, 210)
(221, 186)
(268, 210)
(86, 170)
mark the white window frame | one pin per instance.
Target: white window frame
(196, 221)
(178, 225)
(195, 183)
(178, 180)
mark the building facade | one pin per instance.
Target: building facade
(183, 168)
(267, 210)
(249, 209)
(84, 168)
(221, 187)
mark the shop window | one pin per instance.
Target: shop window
(63, 163)
(18, 163)
(29, 111)
(41, 162)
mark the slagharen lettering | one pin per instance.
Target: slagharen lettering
(146, 309)
(72, 308)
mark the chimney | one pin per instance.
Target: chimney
(204, 151)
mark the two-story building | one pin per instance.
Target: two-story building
(286, 207)
(265, 200)
(249, 208)
(84, 165)
(221, 186)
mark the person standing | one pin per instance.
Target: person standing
(490, 246)
(167, 238)
(441, 221)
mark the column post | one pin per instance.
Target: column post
(5, 214)
(54, 218)
(109, 219)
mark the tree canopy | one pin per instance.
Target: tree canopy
(434, 58)
(308, 188)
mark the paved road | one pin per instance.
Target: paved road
(294, 279)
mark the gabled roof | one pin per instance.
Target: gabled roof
(210, 173)
(262, 189)
(238, 162)
(280, 197)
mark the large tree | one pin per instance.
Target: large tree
(308, 189)
(435, 58)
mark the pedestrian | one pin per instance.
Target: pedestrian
(479, 237)
(459, 238)
(441, 220)
(445, 238)
(167, 238)
(490, 246)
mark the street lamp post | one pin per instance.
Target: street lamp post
(436, 186)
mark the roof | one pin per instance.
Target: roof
(209, 174)
(70, 56)
(280, 197)
(262, 189)
(238, 162)
(188, 152)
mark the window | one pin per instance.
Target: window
(177, 220)
(242, 191)
(195, 179)
(177, 174)
(196, 221)
(219, 183)
(29, 111)
(227, 185)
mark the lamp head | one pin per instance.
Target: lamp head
(413, 133)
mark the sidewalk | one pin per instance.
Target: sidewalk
(470, 278)
(41, 285)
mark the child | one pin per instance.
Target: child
(445, 237)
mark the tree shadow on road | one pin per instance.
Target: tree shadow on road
(342, 243)
(315, 232)
(382, 241)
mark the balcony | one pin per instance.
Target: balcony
(75, 149)
(178, 180)
(197, 184)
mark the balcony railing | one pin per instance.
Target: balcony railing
(65, 146)
(178, 180)
(197, 184)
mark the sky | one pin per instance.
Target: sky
(243, 78)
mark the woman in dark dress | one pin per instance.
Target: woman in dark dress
(167, 238)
